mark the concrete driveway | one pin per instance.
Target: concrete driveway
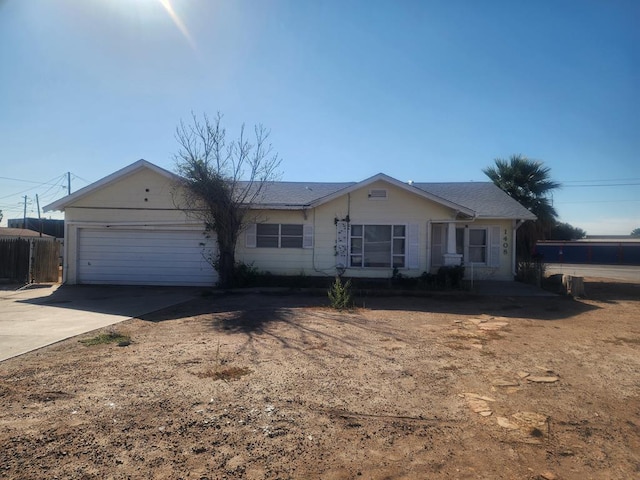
(41, 315)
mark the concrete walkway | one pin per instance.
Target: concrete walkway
(44, 314)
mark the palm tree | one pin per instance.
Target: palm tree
(528, 182)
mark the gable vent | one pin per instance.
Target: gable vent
(378, 194)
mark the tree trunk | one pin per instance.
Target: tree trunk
(225, 267)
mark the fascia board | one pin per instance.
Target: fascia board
(397, 183)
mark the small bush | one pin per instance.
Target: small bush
(340, 295)
(450, 276)
(112, 336)
(428, 280)
(531, 272)
(400, 280)
(245, 275)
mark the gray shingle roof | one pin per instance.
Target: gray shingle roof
(299, 193)
(484, 198)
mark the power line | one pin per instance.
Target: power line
(603, 185)
(58, 184)
(602, 180)
(26, 181)
(39, 184)
(598, 201)
(80, 178)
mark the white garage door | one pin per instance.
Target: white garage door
(144, 257)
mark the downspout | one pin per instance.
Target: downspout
(313, 250)
(516, 225)
(428, 269)
(65, 254)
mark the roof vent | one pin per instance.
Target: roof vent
(377, 194)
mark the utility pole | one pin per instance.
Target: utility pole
(24, 216)
(68, 183)
(39, 218)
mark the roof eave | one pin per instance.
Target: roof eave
(277, 206)
(397, 183)
(509, 217)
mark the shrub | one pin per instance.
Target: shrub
(245, 275)
(111, 336)
(340, 295)
(400, 280)
(531, 272)
(450, 276)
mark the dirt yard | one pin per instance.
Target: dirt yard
(261, 386)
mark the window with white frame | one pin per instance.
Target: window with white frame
(477, 245)
(279, 235)
(381, 246)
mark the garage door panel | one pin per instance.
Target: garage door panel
(128, 256)
(145, 257)
(115, 268)
(135, 243)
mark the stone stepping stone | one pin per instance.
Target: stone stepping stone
(505, 423)
(478, 404)
(531, 424)
(501, 382)
(492, 325)
(543, 379)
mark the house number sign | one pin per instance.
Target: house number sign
(505, 244)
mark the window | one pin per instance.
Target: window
(382, 246)
(276, 235)
(478, 245)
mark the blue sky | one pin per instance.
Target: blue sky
(424, 91)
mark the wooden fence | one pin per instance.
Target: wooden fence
(29, 260)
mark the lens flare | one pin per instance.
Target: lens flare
(178, 22)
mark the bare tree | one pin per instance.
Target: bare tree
(222, 181)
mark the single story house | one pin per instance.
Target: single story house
(126, 229)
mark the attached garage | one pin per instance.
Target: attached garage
(126, 230)
(139, 256)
